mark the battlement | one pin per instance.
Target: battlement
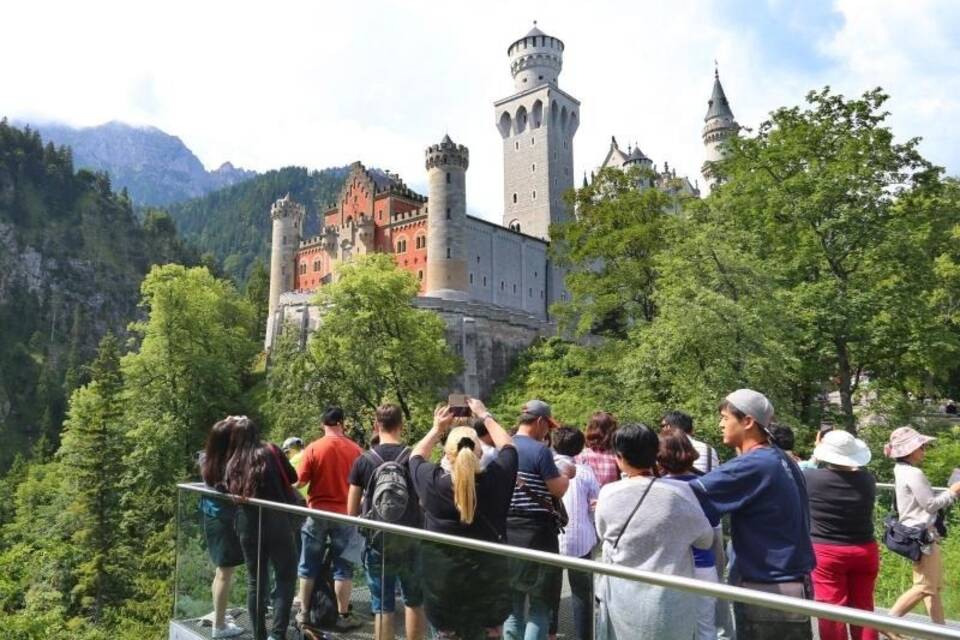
(447, 154)
(287, 207)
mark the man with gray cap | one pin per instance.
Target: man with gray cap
(765, 494)
(532, 523)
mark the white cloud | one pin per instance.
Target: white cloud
(321, 84)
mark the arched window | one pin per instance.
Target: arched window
(448, 177)
(448, 213)
(448, 252)
(420, 275)
(514, 225)
(514, 198)
(484, 281)
(471, 278)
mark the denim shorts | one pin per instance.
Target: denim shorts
(403, 565)
(316, 535)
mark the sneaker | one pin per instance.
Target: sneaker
(347, 622)
(228, 630)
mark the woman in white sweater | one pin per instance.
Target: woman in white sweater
(917, 505)
(647, 524)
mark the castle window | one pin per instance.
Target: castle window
(448, 252)
(535, 274)
(516, 145)
(303, 268)
(534, 195)
(514, 288)
(533, 141)
(285, 237)
(448, 177)
(478, 259)
(530, 292)
(471, 278)
(533, 168)
(514, 198)
(539, 77)
(316, 265)
(420, 275)
(541, 294)
(448, 213)
(501, 285)
(484, 281)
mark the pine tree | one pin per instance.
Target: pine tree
(258, 294)
(92, 462)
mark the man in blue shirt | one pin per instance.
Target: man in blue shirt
(532, 524)
(764, 492)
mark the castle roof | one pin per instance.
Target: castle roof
(534, 32)
(636, 155)
(718, 106)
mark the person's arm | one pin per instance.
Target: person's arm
(558, 486)
(726, 488)
(926, 498)
(497, 433)
(705, 539)
(442, 419)
(353, 500)
(304, 473)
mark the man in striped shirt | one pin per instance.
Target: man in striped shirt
(531, 523)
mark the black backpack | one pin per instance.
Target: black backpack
(387, 494)
(321, 611)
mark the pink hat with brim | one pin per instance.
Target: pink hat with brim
(904, 441)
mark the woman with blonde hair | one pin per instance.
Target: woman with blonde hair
(466, 593)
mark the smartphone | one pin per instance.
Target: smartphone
(458, 405)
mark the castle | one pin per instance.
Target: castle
(493, 284)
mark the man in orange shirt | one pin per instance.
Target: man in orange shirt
(325, 467)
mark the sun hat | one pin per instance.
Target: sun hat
(289, 443)
(842, 448)
(754, 404)
(538, 409)
(904, 441)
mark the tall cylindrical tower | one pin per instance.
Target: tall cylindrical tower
(287, 216)
(718, 126)
(447, 164)
(535, 59)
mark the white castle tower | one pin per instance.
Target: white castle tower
(537, 124)
(447, 164)
(287, 218)
(719, 126)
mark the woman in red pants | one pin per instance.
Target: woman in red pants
(841, 495)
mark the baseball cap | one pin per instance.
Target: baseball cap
(754, 404)
(538, 409)
(290, 442)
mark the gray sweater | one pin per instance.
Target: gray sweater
(916, 501)
(658, 538)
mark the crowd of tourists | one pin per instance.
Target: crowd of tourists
(654, 499)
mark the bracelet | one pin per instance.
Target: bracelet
(485, 416)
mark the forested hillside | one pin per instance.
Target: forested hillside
(72, 255)
(234, 223)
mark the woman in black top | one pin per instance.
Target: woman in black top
(465, 592)
(842, 494)
(258, 469)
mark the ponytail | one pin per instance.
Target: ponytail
(466, 466)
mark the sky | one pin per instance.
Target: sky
(319, 84)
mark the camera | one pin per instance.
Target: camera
(458, 405)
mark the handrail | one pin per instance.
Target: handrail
(810, 608)
(890, 486)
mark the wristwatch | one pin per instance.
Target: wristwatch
(485, 416)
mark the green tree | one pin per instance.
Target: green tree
(609, 248)
(373, 345)
(295, 395)
(189, 371)
(257, 292)
(92, 462)
(828, 195)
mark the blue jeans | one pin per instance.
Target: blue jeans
(534, 625)
(400, 565)
(315, 536)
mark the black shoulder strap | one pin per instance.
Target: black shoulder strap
(402, 458)
(375, 457)
(632, 513)
(710, 454)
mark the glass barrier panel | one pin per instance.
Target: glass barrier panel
(210, 566)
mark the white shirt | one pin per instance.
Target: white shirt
(707, 453)
(580, 536)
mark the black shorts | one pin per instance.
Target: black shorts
(223, 545)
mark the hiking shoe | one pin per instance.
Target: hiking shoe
(228, 630)
(347, 622)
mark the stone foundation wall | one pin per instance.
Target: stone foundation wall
(488, 338)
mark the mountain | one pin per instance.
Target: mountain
(154, 167)
(234, 223)
(72, 256)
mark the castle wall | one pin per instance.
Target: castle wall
(489, 339)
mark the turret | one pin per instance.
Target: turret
(287, 216)
(535, 59)
(719, 126)
(446, 165)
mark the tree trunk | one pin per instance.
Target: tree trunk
(846, 386)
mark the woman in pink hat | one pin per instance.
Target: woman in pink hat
(917, 505)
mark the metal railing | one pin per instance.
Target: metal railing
(809, 608)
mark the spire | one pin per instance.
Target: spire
(718, 106)
(585, 183)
